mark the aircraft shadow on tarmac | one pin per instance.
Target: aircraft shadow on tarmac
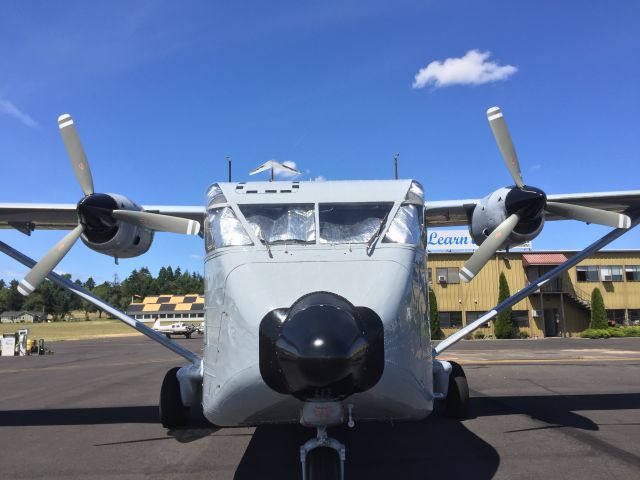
(556, 411)
(374, 450)
(426, 449)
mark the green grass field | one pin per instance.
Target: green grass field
(71, 330)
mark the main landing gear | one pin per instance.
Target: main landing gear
(456, 405)
(323, 457)
(172, 411)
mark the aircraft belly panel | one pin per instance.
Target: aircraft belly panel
(246, 400)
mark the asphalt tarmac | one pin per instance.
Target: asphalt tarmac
(552, 409)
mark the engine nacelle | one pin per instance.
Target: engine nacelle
(109, 236)
(493, 209)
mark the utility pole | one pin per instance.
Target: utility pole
(395, 165)
(229, 160)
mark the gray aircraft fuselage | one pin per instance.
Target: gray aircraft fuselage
(247, 280)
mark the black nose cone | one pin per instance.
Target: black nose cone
(94, 212)
(528, 202)
(323, 348)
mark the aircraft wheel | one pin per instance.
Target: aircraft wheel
(172, 412)
(168, 335)
(457, 401)
(187, 335)
(323, 464)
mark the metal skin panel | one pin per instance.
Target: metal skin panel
(244, 284)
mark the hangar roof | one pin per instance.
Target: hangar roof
(192, 303)
(543, 258)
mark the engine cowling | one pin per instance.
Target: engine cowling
(493, 209)
(109, 236)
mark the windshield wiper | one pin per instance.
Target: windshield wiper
(266, 244)
(376, 235)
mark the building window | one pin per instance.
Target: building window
(447, 275)
(429, 275)
(634, 316)
(615, 316)
(611, 273)
(632, 273)
(450, 319)
(520, 318)
(473, 316)
(587, 273)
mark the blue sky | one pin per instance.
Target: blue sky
(162, 91)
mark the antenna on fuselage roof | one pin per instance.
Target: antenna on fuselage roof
(274, 167)
(395, 165)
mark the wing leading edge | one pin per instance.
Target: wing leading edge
(450, 213)
(27, 217)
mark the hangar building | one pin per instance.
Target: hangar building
(169, 308)
(559, 308)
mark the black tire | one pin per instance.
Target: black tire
(168, 335)
(457, 401)
(187, 335)
(172, 412)
(323, 463)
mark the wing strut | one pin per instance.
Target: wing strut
(533, 286)
(89, 297)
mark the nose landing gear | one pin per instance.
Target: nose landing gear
(323, 457)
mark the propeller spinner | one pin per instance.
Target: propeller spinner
(98, 213)
(524, 204)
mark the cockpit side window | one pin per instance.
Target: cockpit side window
(406, 226)
(223, 229)
(293, 223)
(351, 222)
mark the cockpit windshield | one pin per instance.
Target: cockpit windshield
(351, 222)
(282, 223)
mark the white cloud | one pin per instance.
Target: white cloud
(320, 178)
(8, 108)
(472, 69)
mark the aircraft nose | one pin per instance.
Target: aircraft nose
(325, 348)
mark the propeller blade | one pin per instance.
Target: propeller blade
(589, 214)
(76, 153)
(503, 139)
(157, 222)
(46, 265)
(490, 246)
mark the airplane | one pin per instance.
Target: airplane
(316, 292)
(178, 328)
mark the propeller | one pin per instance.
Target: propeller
(490, 246)
(96, 211)
(524, 203)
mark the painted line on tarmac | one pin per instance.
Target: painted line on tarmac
(75, 367)
(463, 361)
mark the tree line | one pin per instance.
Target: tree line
(58, 302)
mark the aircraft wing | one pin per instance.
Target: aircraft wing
(450, 213)
(26, 217)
